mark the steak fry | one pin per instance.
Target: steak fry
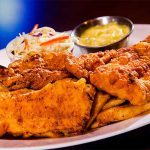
(113, 102)
(99, 102)
(119, 113)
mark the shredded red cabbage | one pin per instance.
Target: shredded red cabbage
(37, 35)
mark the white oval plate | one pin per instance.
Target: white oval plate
(140, 32)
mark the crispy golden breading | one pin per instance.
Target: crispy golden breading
(124, 76)
(35, 71)
(3, 88)
(50, 61)
(83, 65)
(35, 78)
(58, 109)
(119, 113)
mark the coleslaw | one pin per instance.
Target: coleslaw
(39, 39)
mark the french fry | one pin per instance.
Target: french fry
(119, 113)
(112, 103)
(99, 102)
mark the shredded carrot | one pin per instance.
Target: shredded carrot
(35, 27)
(26, 44)
(54, 40)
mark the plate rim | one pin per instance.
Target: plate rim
(83, 141)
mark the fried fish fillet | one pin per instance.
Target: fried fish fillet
(123, 73)
(35, 71)
(35, 78)
(47, 60)
(126, 76)
(58, 109)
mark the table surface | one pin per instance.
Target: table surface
(17, 16)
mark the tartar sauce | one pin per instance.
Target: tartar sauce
(101, 35)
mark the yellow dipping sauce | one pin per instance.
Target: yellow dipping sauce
(101, 35)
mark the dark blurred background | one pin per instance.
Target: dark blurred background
(17, 16)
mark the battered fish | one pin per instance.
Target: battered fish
(59, 109)
(126, 76)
